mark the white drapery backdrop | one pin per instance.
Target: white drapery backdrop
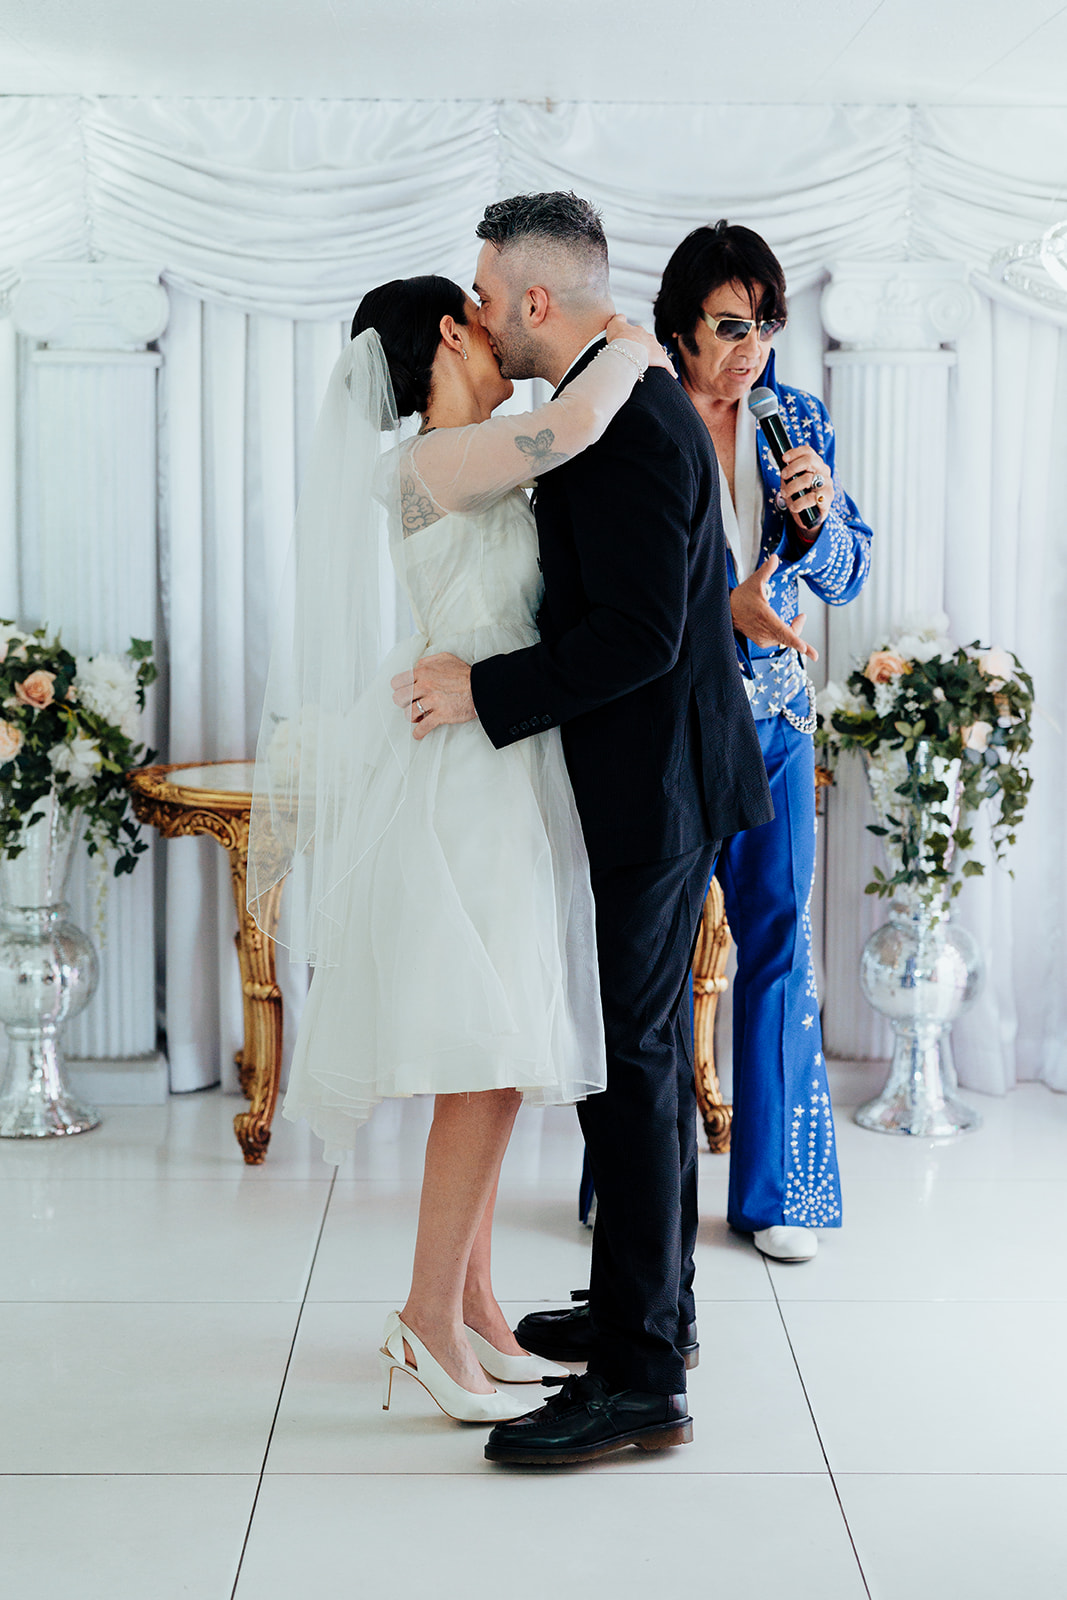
(268, 220)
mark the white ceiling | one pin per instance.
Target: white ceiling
(1002, 52)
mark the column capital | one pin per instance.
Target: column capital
(896, 307)
(100, 305)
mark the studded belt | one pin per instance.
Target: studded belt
(775, 683)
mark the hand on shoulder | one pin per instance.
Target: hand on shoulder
(620, 328)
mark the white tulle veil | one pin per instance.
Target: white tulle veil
(337, 621)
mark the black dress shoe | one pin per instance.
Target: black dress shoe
(585, 1421)
(567, 1334)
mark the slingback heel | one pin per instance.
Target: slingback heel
(513, 1369)
(455, 1401)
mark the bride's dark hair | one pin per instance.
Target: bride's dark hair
(407, 316)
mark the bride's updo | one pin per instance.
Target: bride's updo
(407, 316)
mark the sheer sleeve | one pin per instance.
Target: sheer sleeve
(467, 469)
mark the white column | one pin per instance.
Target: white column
(9, 557)
(88, 569)
(889, 392)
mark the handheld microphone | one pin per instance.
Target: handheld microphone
(763, 404)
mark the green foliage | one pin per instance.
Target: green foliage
(56, 733)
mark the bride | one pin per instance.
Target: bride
(439, 887)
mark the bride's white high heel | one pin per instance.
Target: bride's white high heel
(513, 1369)
(455, 1401)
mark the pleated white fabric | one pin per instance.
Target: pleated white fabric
(239, 396)
(1006, 582)
(296, 207)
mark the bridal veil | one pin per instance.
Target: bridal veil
(336, 622)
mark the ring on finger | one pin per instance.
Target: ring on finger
(421, 707)
(817, 482)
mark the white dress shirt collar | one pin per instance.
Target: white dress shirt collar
(588, 346)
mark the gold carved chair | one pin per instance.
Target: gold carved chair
(709, 983)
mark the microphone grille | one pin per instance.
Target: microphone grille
(763, 403)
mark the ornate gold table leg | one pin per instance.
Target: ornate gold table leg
(709, 982)
(260, 1061)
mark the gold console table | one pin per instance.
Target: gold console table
(216, 799)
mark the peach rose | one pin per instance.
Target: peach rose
(10, 742)
(884, 665)
(976, 737)
(36, 690)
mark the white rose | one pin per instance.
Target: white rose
(107, 686)
(830, 699)
(12, 639)
(79, 761)
(921, 647)
(838, 697)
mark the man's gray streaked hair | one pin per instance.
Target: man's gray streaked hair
(557, 218)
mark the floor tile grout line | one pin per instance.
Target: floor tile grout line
(281, 1388)
(818, 1434)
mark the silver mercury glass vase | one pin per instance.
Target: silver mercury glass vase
(920, 971)
(48, 972)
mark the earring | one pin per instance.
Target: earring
(463, 351)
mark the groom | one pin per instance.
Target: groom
(637, 664)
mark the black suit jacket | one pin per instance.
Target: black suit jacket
(636, 658)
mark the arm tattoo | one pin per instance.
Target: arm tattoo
(417, 510)
(539, 451)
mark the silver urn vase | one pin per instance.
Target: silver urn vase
(920, 972)
(48, 972)
(919, 969)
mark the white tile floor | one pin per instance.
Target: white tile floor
(189, 1400)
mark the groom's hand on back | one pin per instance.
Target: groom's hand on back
(437, 692)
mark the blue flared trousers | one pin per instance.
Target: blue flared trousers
(783, 1158)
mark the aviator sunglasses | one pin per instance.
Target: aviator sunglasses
(731, 330)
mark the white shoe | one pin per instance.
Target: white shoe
(513, 1369)
(455, 1401)
(787, 1244)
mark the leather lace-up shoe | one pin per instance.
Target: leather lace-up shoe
(567, 1334)
(585, 1421)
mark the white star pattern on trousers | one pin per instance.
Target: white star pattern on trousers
(811, 1200)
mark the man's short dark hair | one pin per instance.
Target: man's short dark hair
(705, 260)
(558, 217)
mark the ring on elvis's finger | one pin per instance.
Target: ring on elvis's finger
(820, 499)
(421, 707)
(817, 482)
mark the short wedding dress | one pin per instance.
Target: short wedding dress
(466, 955)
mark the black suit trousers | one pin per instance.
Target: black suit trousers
(641, 1132)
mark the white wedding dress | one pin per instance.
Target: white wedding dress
(467, 957)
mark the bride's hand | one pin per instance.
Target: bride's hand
(620, 328)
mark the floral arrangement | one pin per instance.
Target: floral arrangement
(71, 724)
(916, 707)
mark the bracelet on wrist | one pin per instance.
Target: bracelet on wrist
(616, 347)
